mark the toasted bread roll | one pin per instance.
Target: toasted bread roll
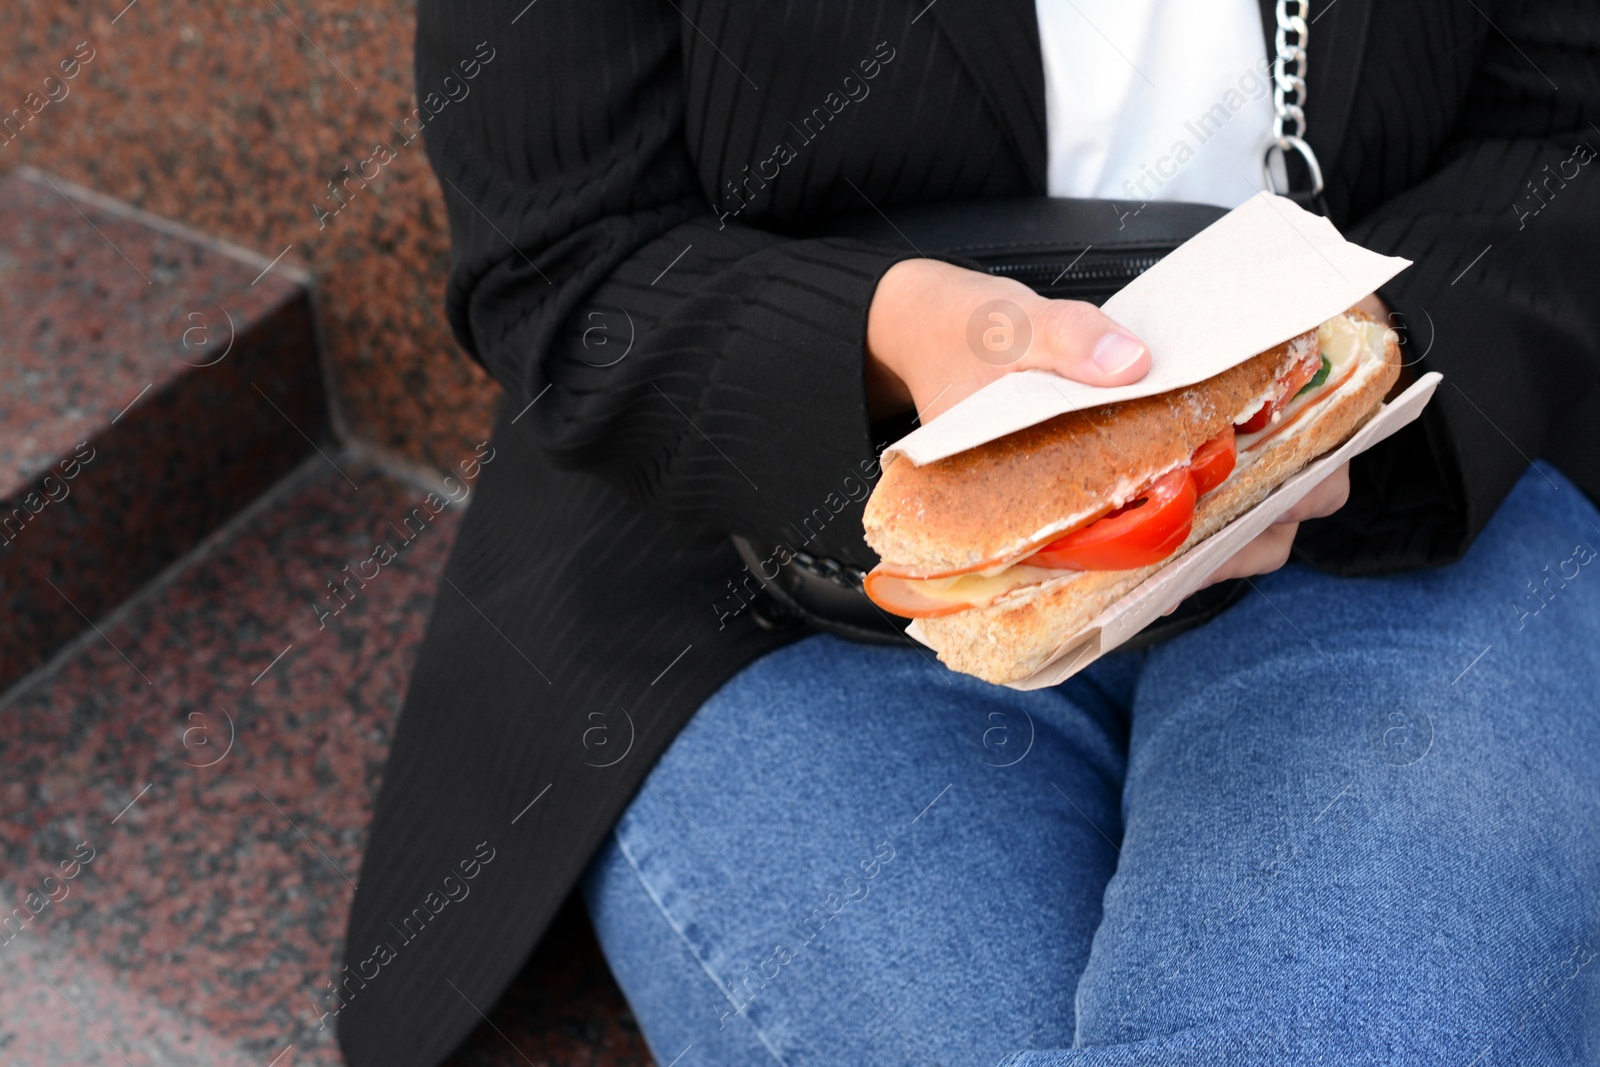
(1012, 636)
(994, 501)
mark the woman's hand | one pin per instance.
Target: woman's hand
(937, 333)
(1269, 550)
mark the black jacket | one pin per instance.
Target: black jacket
(624, 178)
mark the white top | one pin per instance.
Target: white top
(1147, 100)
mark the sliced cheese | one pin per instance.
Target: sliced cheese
(978, 589)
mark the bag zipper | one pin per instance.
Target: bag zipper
(1120, 268)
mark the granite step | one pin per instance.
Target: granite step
(153, 382)
(204, 768)
(193, 723)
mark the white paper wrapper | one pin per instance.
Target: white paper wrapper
(1263, 273)
(1168, 586)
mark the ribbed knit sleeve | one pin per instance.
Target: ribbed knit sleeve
(711, 370)
(1502, 299)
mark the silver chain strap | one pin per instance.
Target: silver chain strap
(1289, 93)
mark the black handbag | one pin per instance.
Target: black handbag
(1076, 249)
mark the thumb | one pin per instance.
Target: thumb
(1077, 340)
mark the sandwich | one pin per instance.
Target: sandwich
(1005, 551)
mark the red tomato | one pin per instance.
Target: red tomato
(1283, 424)
(1213, 462)
(1288, 386)
(1145, 531)
(1258, 421)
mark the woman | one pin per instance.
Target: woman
(1352, 819)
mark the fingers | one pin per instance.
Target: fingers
(1327, 497)
(1268, 551)
(937, 333)
(1079, 341)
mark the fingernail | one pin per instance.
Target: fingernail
(1116, 352)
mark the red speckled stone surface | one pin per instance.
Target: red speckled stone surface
(233, 118)
(217, 814)
(118, 450)
(213, 909)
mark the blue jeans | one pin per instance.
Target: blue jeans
(1351, 821)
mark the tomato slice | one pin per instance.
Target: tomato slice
(1144, 531)
(901, 596)
(1288, 386)
(1284, 424)
(1213, 462)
